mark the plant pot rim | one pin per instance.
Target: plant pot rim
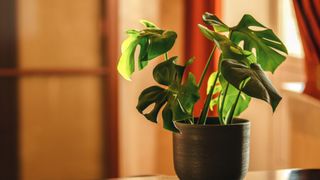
(237, 122)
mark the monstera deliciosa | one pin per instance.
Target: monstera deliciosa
(178, 97)
(237, 64)
(247, 50)
(269, 48)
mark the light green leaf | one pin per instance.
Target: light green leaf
(213, 103)
(126, 63)
(231, 95)
(211, 79)
(269, 48)
(153, 42)
(217, 89)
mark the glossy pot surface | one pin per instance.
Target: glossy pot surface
(212, 151)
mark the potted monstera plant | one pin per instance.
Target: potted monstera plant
(207, 147)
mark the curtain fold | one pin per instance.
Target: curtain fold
(196, 44)
(308, 18)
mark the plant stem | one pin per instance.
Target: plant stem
(222, 104)
(207, 65)
(204, 112)
(166, 56)
(230, 117)
(219, 114)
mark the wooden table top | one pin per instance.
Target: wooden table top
(286, 174)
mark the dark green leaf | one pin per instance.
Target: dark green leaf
(168, 72)
(183, 98)
(215, 22)
(259, 86)
(143, 55)
(178, 97)
(167, 119)
(267, 45)
(152, 95)
(160, 44)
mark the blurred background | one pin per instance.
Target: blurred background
(65, 113)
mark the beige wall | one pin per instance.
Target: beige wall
(60, 128)
(138, 138)
(304, 125)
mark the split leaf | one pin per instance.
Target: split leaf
(269, 48)
(178, 98)
(153, 42)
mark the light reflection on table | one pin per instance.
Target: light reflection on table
(286, 174)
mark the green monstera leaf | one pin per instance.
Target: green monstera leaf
(153, 42)
(179, 98)
(245, 57)
(269, 48)
(259, 86)
(215, 22)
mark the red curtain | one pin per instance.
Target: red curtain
(196, 45)
(308, 17)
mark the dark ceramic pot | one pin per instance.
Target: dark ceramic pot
(212, 151)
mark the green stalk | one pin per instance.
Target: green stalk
(219, 114)
(207, 65)
(230, 116)
(222, 104)
(204, 112)
(166, 56)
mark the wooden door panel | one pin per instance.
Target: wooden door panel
(58, 89)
